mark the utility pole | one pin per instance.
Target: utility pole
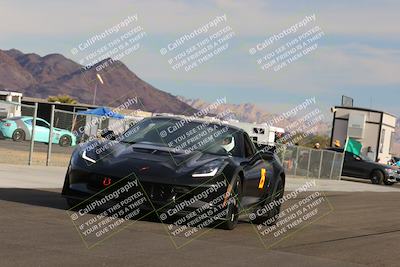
(95, 87)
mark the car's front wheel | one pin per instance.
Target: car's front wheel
(18, 135)
(72, 203)
(387, 182)
(377, 177)
(233, 206)
(65, 140)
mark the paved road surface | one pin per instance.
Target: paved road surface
(362, 229)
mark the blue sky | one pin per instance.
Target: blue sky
(359, 55)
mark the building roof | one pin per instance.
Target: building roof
(6, 92)
(366, 110)
(44, 101)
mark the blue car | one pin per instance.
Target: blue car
(20, 128)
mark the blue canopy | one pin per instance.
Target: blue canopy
(102, 111)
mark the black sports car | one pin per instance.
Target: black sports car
(176, 159)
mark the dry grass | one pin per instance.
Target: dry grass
(10, 156)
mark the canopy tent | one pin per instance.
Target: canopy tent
(102, 111)
(93, 122)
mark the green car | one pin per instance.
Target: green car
(20, 128)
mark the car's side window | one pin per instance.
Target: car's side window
(28, 122)
(249, 149)
(42, 124)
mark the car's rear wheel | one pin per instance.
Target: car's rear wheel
(18, 135)
(233, 206)
(377, 177)
(65, 140)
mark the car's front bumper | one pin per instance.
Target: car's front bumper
(162, 197)
(393, 177)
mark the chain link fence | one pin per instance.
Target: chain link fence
(26, 138)
(311, 163)
(16, 144)
(69, 129)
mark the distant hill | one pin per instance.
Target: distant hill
(54, 74)
(249, 112)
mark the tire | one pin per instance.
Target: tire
(65, 141)
(278, 194)
(18, 135)
(233, 207)
(272, 216)
(377, 177)
(71, 203)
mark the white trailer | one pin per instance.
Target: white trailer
(260, 133)
(10, 104)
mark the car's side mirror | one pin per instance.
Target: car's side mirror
(109, 134)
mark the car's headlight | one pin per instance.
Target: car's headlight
(209, 170)
(85, 157)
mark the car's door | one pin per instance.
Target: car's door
(349, 164)
(355, 166)
(42, 131)
(257, 173)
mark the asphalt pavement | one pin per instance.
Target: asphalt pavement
(36, 230)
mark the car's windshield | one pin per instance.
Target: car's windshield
(185, 136)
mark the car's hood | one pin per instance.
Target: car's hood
(147, 161)
(385, 166)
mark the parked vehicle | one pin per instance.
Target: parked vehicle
(20, 129)
(365, 168)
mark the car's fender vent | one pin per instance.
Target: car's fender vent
(143, 150)
(153, 151)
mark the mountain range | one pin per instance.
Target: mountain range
(54, 74)
(249, 112)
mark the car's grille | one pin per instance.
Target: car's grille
(165, 194)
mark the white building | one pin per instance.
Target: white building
(374, 129)
(10, 104)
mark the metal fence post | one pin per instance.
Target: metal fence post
(50, 135)
(309, 162)
(341, 166)
(283, 154)
(33, 134)
(320, 164)
(296, 161)
(333, 164)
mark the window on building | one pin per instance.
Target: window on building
(392, 142)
